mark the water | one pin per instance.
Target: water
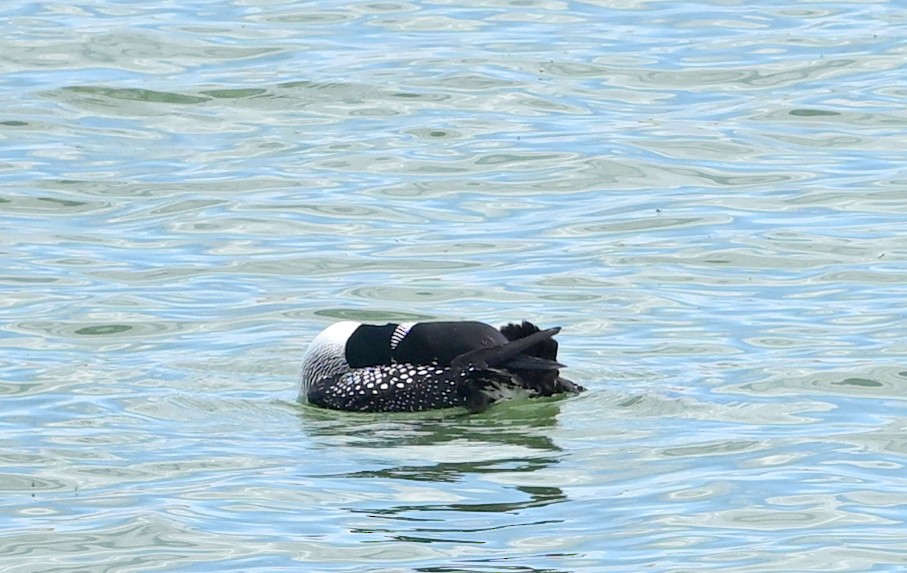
(708, 197)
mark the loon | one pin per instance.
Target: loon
(411, 367)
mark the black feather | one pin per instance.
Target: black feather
(546, 382)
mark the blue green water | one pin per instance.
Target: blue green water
(709, 198)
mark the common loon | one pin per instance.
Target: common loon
(418, 366)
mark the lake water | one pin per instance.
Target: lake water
(709, 198)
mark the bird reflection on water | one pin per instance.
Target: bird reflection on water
(512, 444)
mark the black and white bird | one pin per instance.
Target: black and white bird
(418, 366)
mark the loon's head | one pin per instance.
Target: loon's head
(326, 355)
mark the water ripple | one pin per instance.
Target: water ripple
(708, 200)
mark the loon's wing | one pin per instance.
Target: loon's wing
(409, 388)
(500, 354)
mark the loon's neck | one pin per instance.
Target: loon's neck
(370, 345)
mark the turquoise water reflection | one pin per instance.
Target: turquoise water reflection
(708, 198)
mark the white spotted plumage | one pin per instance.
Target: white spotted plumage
(395, 387)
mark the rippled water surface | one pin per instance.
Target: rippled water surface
(709, 198)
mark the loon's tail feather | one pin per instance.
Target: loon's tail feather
(546, 349)
(540, 356)
(526, 364)
(545, 381)
(500, 354)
